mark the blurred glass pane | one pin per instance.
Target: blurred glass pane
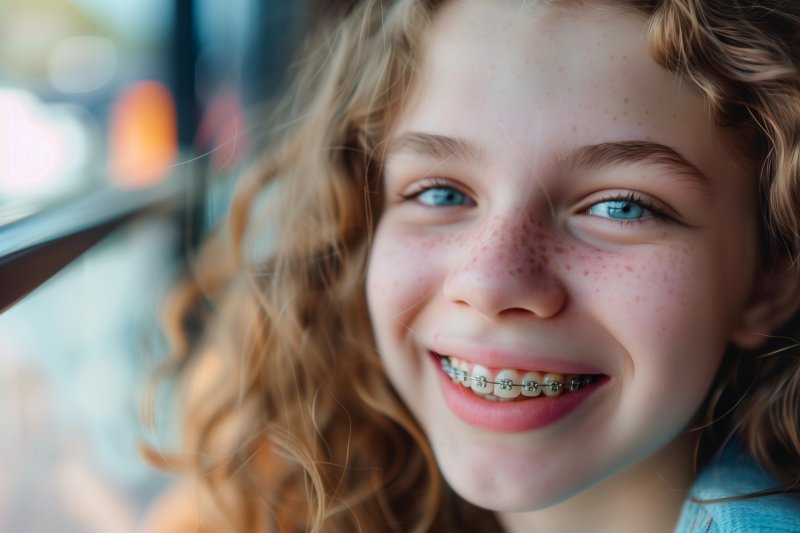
(75, 360)
(63, 66)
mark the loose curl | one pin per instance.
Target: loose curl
(290, 422)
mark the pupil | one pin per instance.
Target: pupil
(446, 196)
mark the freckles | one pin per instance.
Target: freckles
(591, 263)
(668, 280)
(514, 245)
(682, 279)
(635, 283)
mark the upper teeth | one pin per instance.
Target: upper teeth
(508, 384)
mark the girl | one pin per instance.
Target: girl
(534, 269)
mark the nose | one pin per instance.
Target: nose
(506, 268)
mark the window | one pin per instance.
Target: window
(121, 123)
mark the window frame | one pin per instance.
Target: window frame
(37, 246)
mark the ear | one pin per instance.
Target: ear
(774, 301)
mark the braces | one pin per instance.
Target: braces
(506, 384)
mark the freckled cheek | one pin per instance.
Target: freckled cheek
(661, 308)
(649, 293)
(403, 267)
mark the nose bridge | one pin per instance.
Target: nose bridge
(506, 265)
(510, 245)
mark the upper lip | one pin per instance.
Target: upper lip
(495, 355)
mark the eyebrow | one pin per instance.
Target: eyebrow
(622, 153)
(436, 146)
(592, 156)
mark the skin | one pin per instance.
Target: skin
(519, 251)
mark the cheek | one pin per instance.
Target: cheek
(666, 310)
(401, 273)
(649, 291)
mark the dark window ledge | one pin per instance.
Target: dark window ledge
(34, 248)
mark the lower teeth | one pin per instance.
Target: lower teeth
(533, 388)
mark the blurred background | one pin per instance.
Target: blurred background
(123, 125)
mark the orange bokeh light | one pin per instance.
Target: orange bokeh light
(143, 135)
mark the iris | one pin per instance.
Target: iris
(618, 209)
(443, 197)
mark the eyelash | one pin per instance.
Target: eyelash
(432, 183)
(634, 198)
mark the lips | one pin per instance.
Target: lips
(512, 399)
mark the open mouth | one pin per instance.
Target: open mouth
(512, 385)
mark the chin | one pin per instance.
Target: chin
(495, 495)
(488, 474)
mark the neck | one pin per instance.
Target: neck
(645, 497)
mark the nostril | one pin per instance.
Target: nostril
(515, 312)
(507, 297)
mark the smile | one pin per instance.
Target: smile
(512, 400)
(512, 385)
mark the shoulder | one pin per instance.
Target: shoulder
(732, 474)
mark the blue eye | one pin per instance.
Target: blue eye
(443, 197)
(619, 209)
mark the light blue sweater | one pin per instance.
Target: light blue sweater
(735, 473)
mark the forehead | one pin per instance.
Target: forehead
(543, 56)
(538, 77)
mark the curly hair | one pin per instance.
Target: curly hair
(289, 420)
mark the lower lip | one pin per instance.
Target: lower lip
(511, 417)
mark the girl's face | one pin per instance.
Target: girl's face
(556, 202)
